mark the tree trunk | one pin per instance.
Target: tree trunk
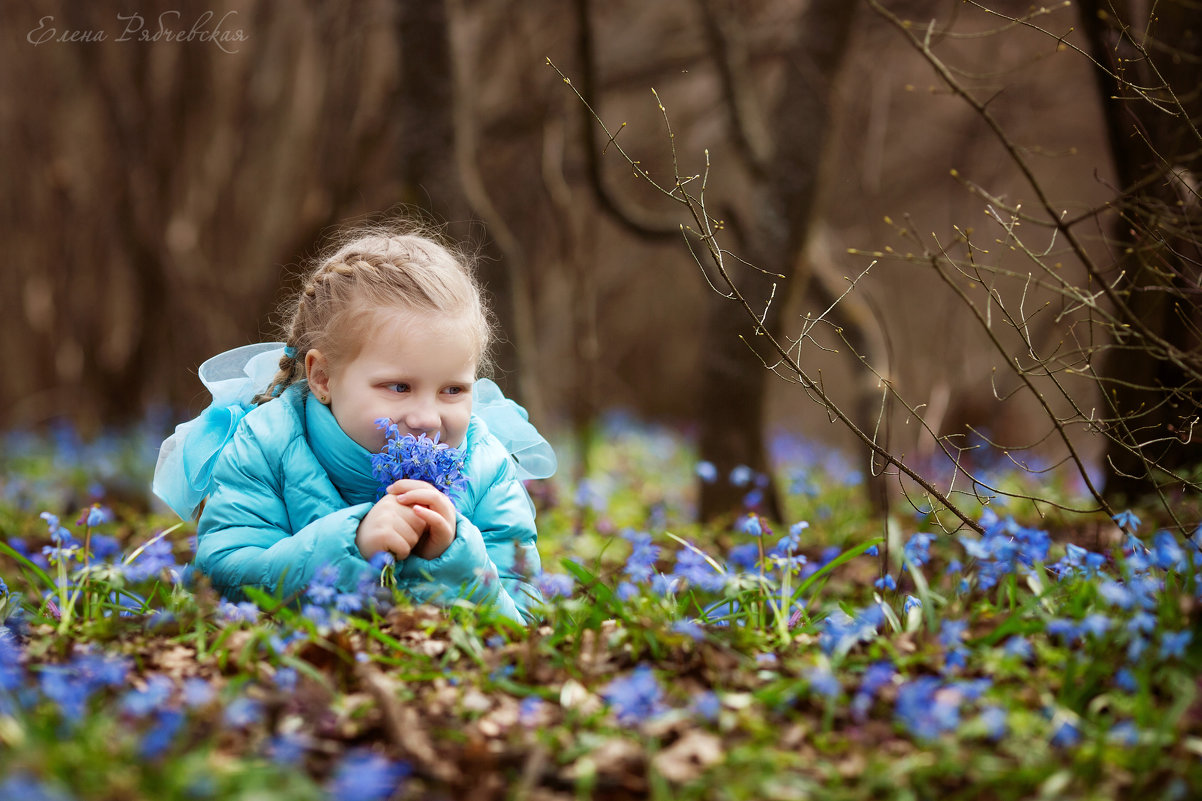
(429, 169)
(1153, 400)
(773, 238)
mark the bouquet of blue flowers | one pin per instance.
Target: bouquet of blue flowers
(418, 458)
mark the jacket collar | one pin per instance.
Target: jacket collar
(347, 462)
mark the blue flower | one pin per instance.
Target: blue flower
(52, 524)
(635, 698)
(242, 712)
(286, 679)
(841, 632)
(925, 710)
(707, 472)
(885, 582)
(1167, 553)
(555, 585)
(244, 612)
(98, 516)
(1116, 594)
(911, 603)
(750, 524)
(916, 551)
(1066, 630)
(744, 556)
(197, 693)
(1065, 735)
(697, 571)
(150, 699)
(873, 551)
(876, 676)
(363, 775)
(529, 709)
(1172, 644)
(994, 720)
(158, 737)
(951, 632)
(61, 684)
(1096, 625)
(689, 628)
(706, 706)
(157, 556)
(323, 588)
(957, 659)
(1123, 733)
(417, 458)
(1127, 520)
(1124, 679)
(287, 749)
(1017, 646)
(825, 683)
(643, 555)
(664, 585)
(11, 672)
(99, 670)
(27, 788)
(741, 476)
(348, 602)
(791, 542)
(1142, 623)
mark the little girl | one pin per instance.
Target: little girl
(390, 326)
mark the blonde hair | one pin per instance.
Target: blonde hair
(377, 269)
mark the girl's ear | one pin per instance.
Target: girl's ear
(317, 368)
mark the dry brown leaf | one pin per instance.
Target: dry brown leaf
(410, 618)
(475, 701)
(574, 695)
(614, 757)
(178, 661)
(688, 757)
(404, 725)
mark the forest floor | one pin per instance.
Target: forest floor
(825, 656)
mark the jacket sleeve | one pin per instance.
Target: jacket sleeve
(244, 537)
(492, 557)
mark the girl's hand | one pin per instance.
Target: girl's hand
(389, 526)
(433, 508)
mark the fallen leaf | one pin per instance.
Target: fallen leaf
(688, 757)
(574, 695)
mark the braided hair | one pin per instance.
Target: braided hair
(376, 270)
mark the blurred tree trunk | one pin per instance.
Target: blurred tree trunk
(436, 176)
(1157, 154)
(784, 154)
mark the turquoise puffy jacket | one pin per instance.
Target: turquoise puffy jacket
(291, 488)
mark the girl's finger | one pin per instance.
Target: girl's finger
(432, 498)
(433, 518)
(407, 485)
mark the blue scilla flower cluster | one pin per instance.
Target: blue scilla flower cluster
(326, 605)
(417, 458)
(1119, 608)
(1126, 616)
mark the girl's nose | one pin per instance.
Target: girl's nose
(423, 419)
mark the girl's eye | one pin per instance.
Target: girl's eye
(453, 390)
(399, 387)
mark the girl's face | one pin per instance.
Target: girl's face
(416, 369)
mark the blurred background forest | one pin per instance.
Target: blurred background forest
(162, 195)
